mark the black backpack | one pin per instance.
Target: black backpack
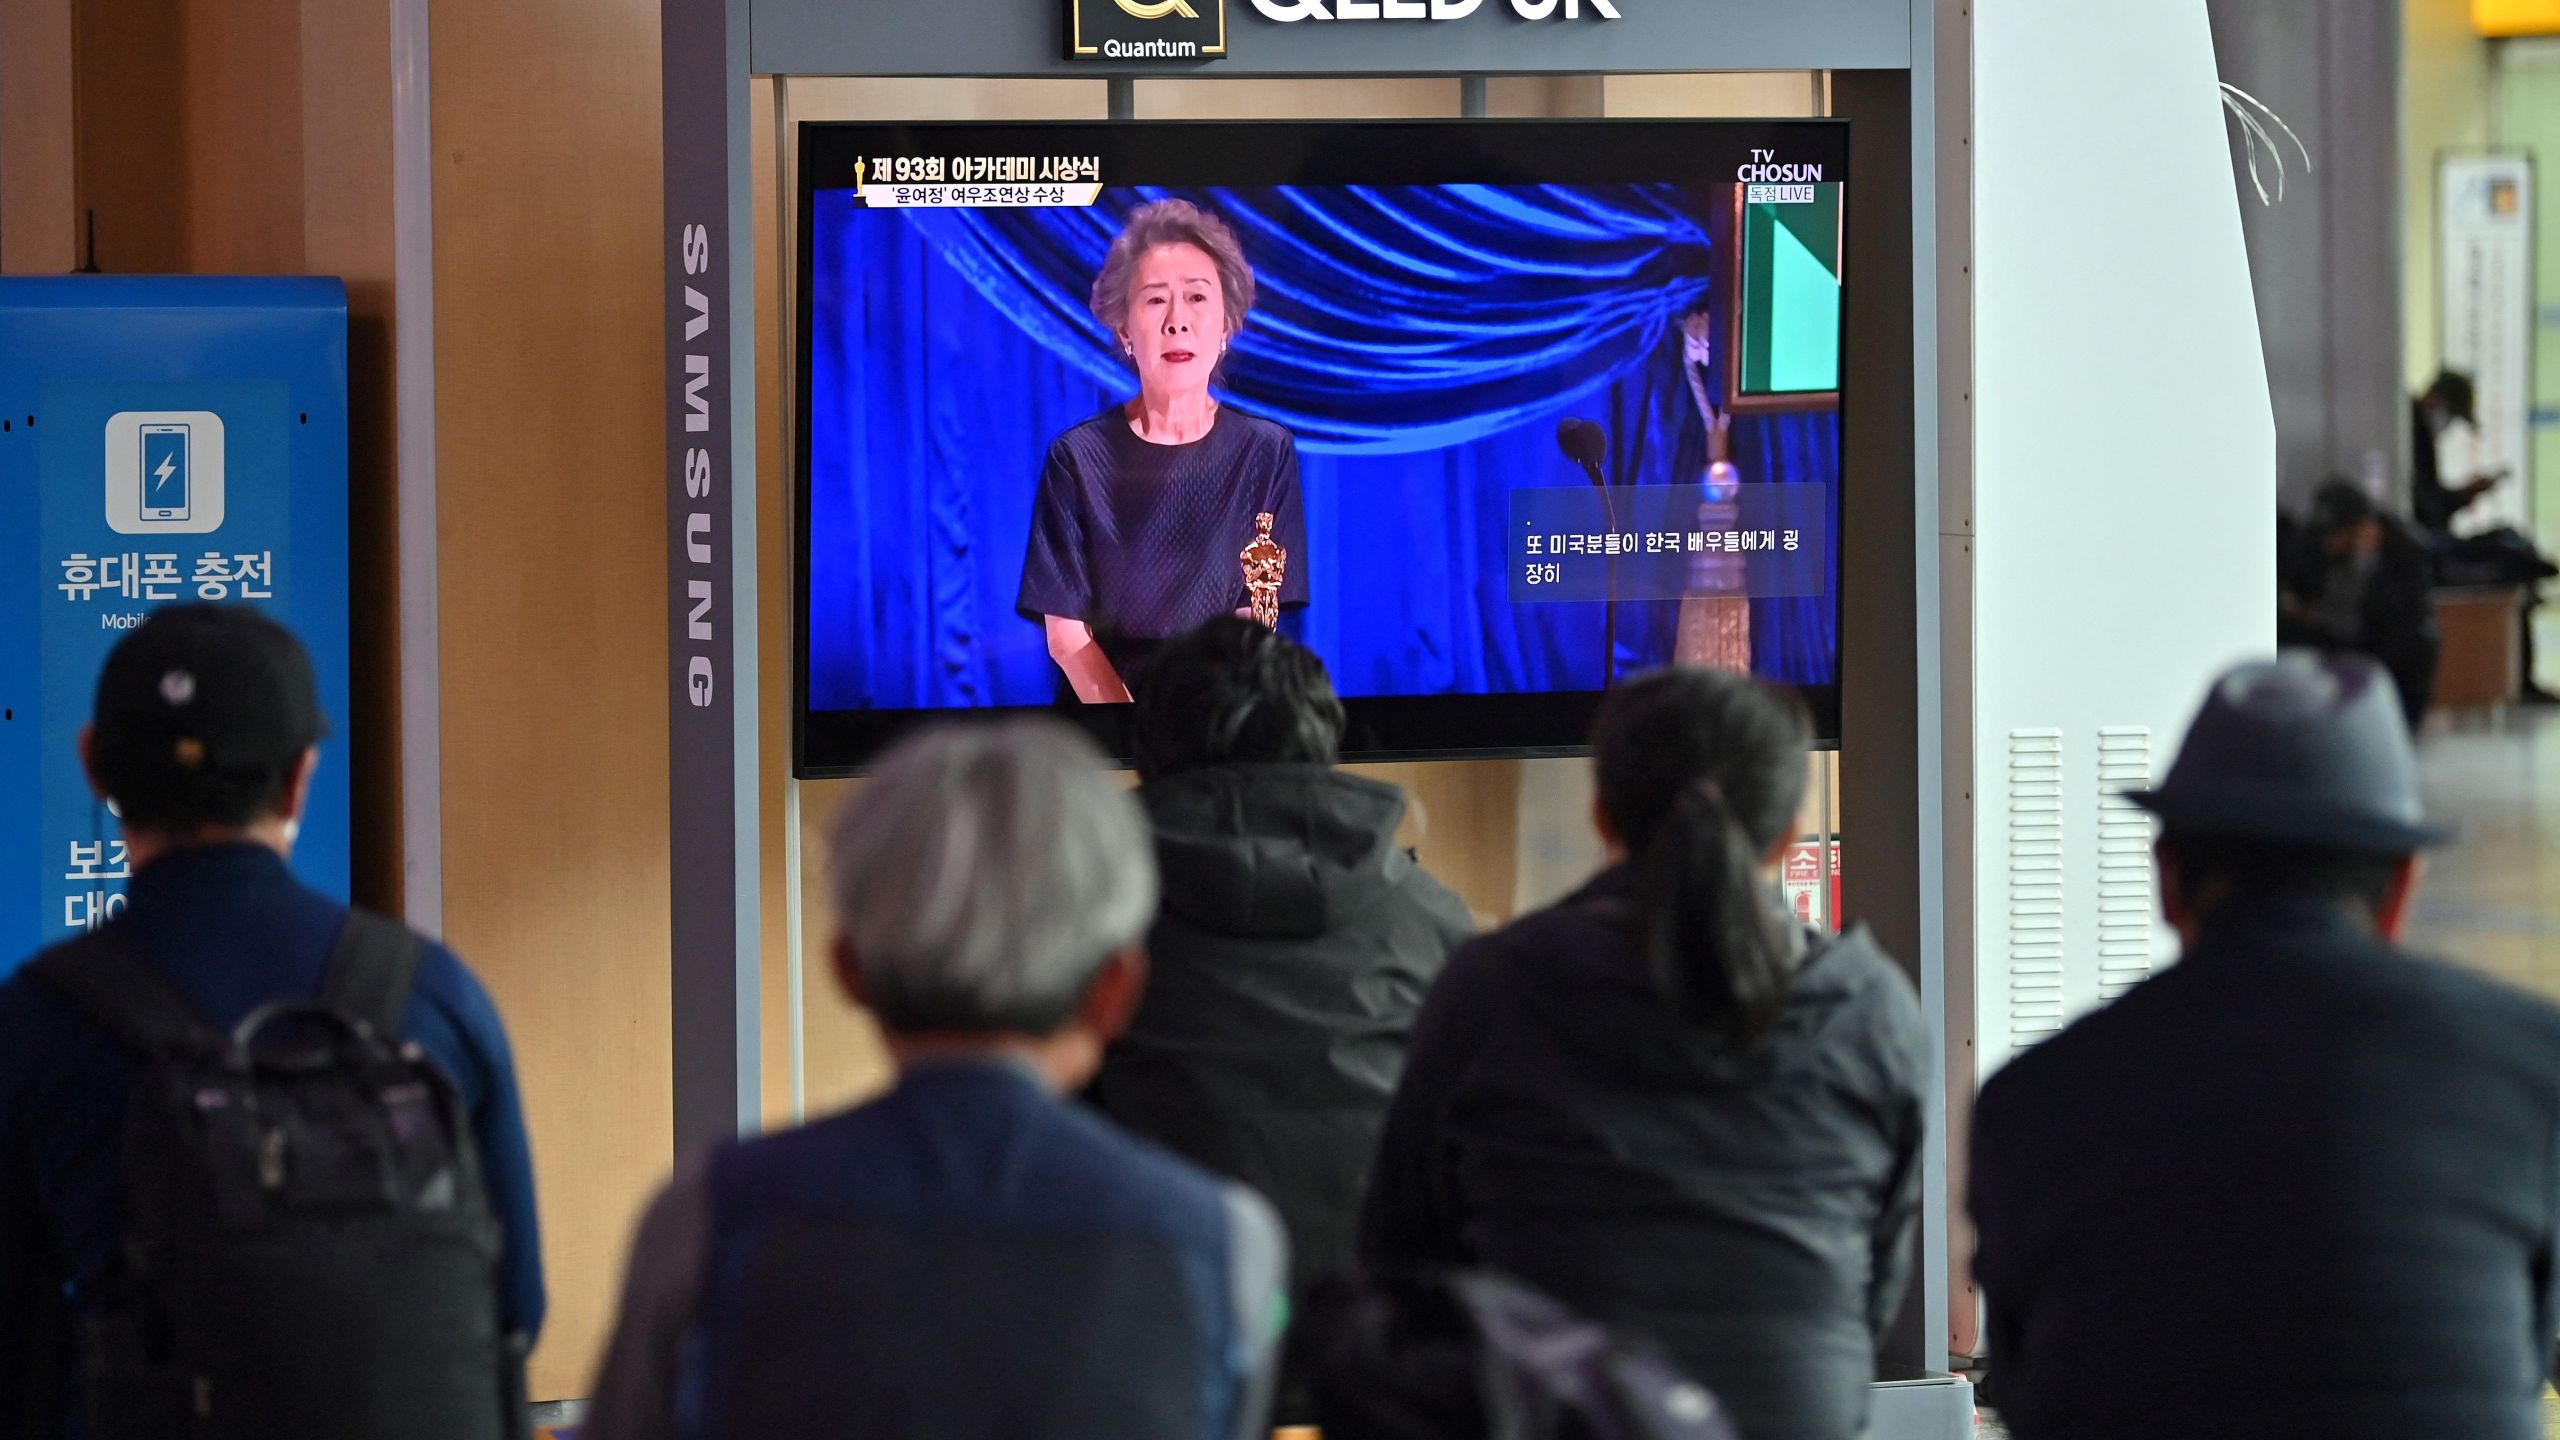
(308, 1251)
(1475, 1355)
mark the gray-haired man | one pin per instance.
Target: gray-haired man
(968, 1255)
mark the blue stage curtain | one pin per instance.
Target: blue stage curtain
(1389, 321)
(1420, 343)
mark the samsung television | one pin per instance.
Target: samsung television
(1489, 414)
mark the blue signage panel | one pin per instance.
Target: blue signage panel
(162, 440)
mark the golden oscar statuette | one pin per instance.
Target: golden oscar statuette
(1265, 565)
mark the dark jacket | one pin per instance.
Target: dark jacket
(2395, 612)
(2431, 503)
(1295, 943)
(2301, 1183)
(963, 1257)
(1752, 1213)
(2396, 599)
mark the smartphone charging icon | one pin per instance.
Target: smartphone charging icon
(166, 474)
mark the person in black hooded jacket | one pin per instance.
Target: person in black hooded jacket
(1295, 941)
(1663, 1102)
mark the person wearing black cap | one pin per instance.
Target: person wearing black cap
(203, 740)
(2303, 1182)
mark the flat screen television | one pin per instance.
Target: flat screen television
(1490, 414)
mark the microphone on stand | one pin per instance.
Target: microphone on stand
(1587, 445)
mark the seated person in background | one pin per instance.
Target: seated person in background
(967, 1255)
(2300, 1183)
(1664, 1103)
(2353, 578)
(2446, 401)
(2499, 556)
(1295, 944)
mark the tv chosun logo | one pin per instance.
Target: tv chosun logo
(1146, 29)
(164, 472)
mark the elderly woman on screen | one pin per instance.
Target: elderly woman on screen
(1145, 509)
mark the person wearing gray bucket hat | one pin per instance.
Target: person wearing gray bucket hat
(2306, 749)
(2301, 1182)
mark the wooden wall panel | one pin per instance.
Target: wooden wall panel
(1543, 95)
(1754, 94)
(39, 224)
(242, 142)
(551, 454)
(822, 97)
(191, 118)
(1355, 98)
(130, 108)
(1460, 821)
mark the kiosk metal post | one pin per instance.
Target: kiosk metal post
(1894, 766)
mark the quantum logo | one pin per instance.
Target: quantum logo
(1146, 29)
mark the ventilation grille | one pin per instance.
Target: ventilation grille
(2035, 885)
(2124, 860)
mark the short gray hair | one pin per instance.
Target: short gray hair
(985, 872)
(1172, 222)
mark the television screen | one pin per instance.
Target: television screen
(1489, 414)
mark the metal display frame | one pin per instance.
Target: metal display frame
(1885, 66)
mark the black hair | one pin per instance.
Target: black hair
(1700, 774)
(2232, 866)
(2452, 389)
(2339, 504)
(182, 802)
(230, 759)
(1234, 693)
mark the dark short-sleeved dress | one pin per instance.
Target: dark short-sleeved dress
(1139, 540)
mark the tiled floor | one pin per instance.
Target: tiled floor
(2493, 900)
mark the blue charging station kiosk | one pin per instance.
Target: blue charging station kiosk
(163, 440)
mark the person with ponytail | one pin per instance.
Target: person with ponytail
(1662, 1100)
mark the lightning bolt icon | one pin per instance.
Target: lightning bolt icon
(168, 467)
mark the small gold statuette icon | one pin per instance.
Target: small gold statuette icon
(1265, 564)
